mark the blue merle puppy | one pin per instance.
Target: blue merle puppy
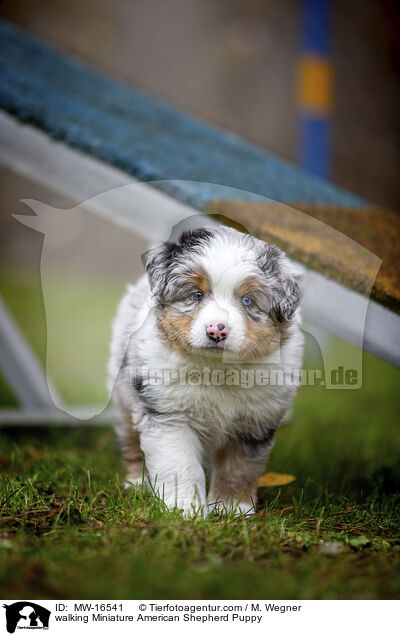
(214, 307)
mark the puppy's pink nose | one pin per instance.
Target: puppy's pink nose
(217, 331)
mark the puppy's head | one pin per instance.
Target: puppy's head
(218, 290)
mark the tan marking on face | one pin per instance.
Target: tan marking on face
(262, 339)
(248, 286)
(200, 280)
(176, 327)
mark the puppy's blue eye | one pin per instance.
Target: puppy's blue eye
(247, 301)
(197, 295)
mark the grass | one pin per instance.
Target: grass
(68, 529)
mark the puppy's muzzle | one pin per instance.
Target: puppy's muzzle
(217, 331)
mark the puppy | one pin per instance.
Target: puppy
(194, 345)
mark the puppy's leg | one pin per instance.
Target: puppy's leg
(132, 455)
(173, 460)
(235, 473)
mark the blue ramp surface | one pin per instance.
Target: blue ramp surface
(139, 134)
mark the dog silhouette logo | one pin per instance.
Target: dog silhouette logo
(26, 615)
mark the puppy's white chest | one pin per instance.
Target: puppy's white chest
(215, 411)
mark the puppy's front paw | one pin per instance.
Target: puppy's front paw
(190, 507)
(191, 510)
(237, 508)
(138, 483)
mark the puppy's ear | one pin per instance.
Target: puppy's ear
(156, 262)
(160, 261)
(285, 282)
(290, 294)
